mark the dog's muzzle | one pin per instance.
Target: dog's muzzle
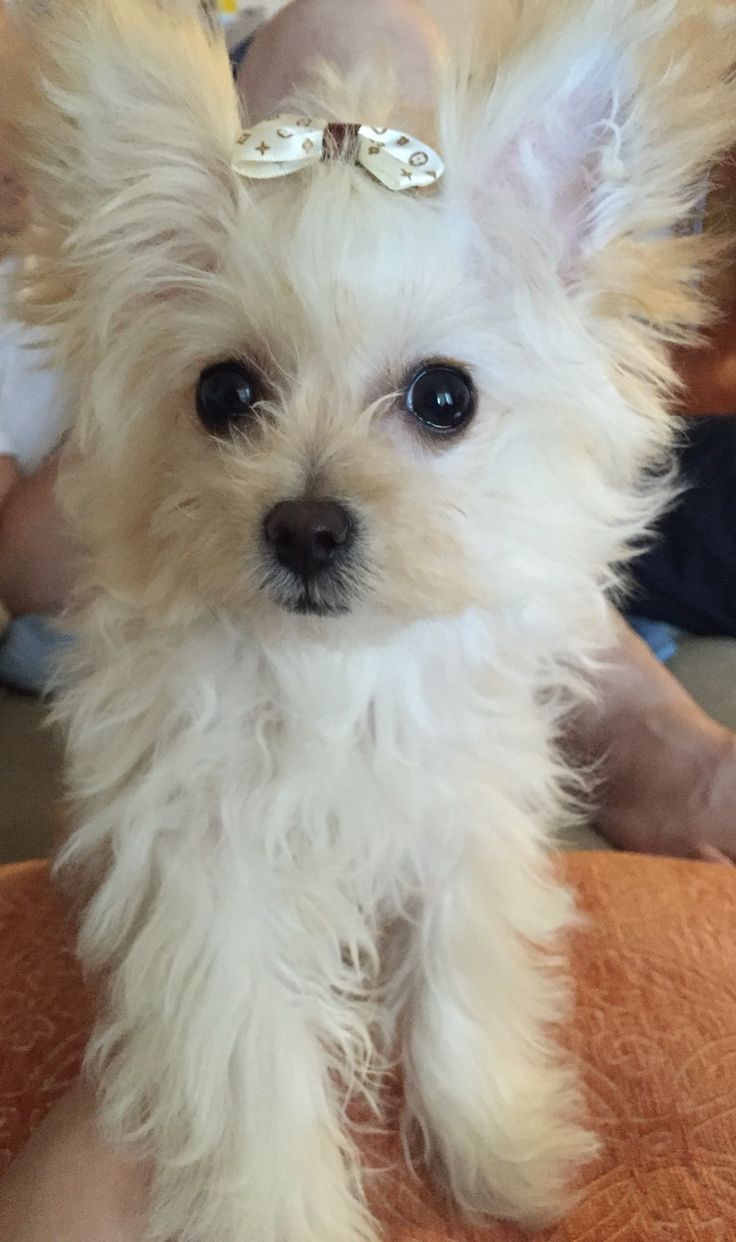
(310, 548)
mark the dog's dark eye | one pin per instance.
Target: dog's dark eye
(226, 394)
(442, 398)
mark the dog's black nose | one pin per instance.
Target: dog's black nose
(308, 536)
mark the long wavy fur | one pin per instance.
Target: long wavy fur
(303, 838)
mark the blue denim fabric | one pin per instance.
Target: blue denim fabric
(29, 650)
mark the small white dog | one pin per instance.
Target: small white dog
(355, 452)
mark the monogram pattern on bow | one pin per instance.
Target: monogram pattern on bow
(288, 143)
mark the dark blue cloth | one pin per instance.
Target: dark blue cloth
(239, 53)
(688, 577)
(29, 652)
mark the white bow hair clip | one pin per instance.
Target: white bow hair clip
(287, 144)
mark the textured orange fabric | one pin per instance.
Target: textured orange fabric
(44, 1011)
(655, 1030)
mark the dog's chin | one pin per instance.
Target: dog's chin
(306, 606)
(310, 599)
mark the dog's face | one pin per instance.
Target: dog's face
(312, 445)
(348, 419)
(320, 398)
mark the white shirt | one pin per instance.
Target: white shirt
(31, 414)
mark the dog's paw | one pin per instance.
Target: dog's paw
(534, 1188)
(526, 1173)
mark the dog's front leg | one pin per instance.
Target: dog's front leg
(217, 1059)
(488, 1094)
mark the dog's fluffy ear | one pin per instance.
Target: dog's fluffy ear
(120, 116)
(604, 119)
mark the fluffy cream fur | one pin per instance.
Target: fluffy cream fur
(306, 836)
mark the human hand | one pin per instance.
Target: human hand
(68, 1186)
(38, 559)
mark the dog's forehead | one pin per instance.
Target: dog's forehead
(347, 258)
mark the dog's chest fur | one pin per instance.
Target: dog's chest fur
(305, 768)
